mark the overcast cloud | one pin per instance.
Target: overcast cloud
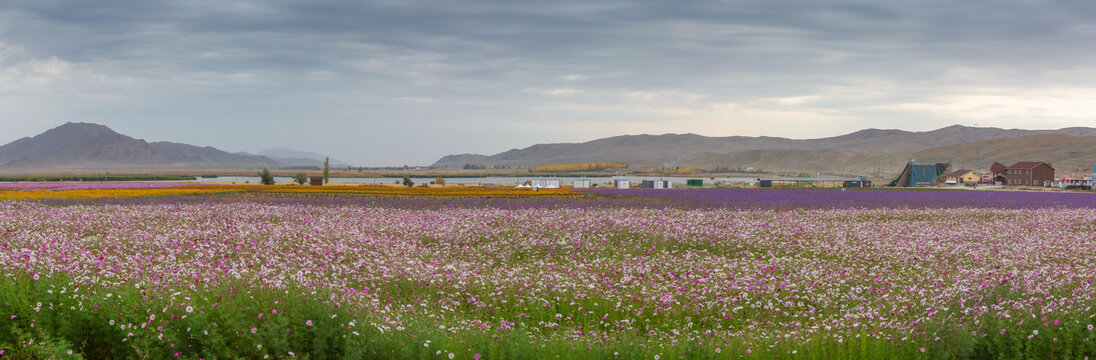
(405, 82)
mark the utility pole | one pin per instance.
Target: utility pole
(978, 165)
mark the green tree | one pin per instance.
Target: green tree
(407, 181)
(439, 180)
(300, 178)
(266, 178)
(326, 167)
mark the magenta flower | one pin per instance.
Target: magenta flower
(1002, 331)
(253, 330)
(308, 322)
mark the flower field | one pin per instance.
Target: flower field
(664, 275)
(115, 190)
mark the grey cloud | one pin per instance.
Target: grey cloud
(364, 66)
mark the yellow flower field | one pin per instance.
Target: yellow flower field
(47, 193)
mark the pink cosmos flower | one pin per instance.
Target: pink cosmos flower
(309, 322)
(1002, 331)
(253, 330)
(476, 356)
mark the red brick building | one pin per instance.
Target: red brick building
(998, 171)
(1028, 173)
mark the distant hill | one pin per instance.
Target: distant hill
(863, 152)
(1069, 154)
(294, 157)
(93, 146)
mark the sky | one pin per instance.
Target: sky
(395, 82)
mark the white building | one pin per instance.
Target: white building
(581, 184)
(657, 184)
(545, 183)
(622, 184)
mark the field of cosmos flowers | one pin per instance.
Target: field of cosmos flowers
(155, 270)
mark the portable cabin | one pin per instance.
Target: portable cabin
(545, 183)
(315, 180)
(581, 184)
(694, 182)
(622, 184)
(656, 184)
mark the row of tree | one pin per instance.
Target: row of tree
(266, 178)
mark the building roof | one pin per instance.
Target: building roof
(958, 173)
(1028, 165)
(997, 167)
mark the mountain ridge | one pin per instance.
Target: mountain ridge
(852, 150)
(88, 145)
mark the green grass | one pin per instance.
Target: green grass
(52, 316)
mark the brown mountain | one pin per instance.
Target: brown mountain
(93, 146)
(863, 152)
(1069, 154)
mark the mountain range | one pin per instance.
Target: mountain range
(870, 151)
(291, 157)
(84, 146)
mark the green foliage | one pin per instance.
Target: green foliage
(326, 169)
(45, 318)
(407, 181)
(300, 178)
(439, 180)
(265, 177)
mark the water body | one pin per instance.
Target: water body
(481, 180)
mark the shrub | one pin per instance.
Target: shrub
(265, 177)
(300, 178)
(407, 181)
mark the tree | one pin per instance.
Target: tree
(301, 178)
(407, 181)
(439, 181)
(266, 178)
(326, 167)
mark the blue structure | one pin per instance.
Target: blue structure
(921, 173)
